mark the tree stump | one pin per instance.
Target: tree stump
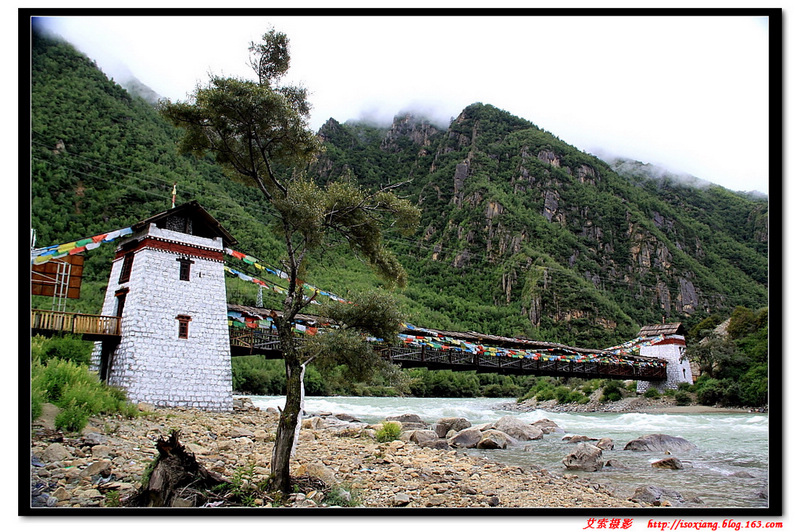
(176, 478)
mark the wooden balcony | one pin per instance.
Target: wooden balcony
(89, 326)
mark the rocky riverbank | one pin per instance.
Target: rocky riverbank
(104, 464)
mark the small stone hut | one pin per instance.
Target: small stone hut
(167, 284)
(668, 342)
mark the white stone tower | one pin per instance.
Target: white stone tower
(668, 343)
(168, 285)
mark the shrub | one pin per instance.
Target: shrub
(682, 398)
(652, 393)
(72, 419)
(389, 431)
(67, 347)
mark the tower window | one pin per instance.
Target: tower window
(186, 266)
(127, 266)
(183, 325)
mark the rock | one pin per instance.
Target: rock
(314, 423)
(94, 438)
(317, 470)
(668, 463)
(260, 435)
(435, 500)
(241, 432)
(547, 426)
(61, 493)
(616, 464)
(660, 442)
(179, 502)
(517, 429)
(446, 424)
(55, 452)
(436, 444)
(494, 439)
(100, 467)
(420, 436)
(196, 449)
(406, 418)
(468, 438)
(606, 444)
(493, 501)
(401, 499)
(656, 496)
(101, 451)
(742, 474)
(577, 439)
(348, 418)
(586, 457)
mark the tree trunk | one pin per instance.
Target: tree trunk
(285, 436)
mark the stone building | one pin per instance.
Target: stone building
(668, 343)
(168, 285)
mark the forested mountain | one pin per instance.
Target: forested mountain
(521, 233)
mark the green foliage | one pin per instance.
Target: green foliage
(73, 388)
(66, 347)
(652, 393)
(682, 398)
(73, 418)
(612, 391)
(389, 431)
(343, 495)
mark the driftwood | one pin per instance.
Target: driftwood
(176, 478)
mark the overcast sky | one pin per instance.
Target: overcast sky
(686, 93)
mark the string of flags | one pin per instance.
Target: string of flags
(247, 259)
(434, 340)
(42, 255)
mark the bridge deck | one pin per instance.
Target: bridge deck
(247, 341)
(89, 326)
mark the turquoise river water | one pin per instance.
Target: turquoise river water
(727, 444)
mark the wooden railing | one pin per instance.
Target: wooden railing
(88, 325)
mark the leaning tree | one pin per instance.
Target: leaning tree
(258, 132)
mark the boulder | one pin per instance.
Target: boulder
(660, 442)
(406, 418)
(241, 432)
(577, 438)
(656, 496)
(313, 423)
(519, 430)
(606, 444)
(494, 439)
(100, 467)
(616, 464)
(468, 438)
(547, 426)
(55, 452)
(586, 457)
(401, 499)
(446, 424)
(420, 435)
(668, 463)
(348, 418)
(436, 444)
(317, 470)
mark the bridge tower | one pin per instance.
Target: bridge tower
(167, 284)
(668, 343)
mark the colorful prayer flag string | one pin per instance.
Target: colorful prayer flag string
(42, 255)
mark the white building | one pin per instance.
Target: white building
(668, 343)
(167, 284)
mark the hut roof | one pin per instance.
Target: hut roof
(663, 328)
(203, 223)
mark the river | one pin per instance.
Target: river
(728, 444)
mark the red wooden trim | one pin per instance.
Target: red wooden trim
(671, 341)
(174, 247)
